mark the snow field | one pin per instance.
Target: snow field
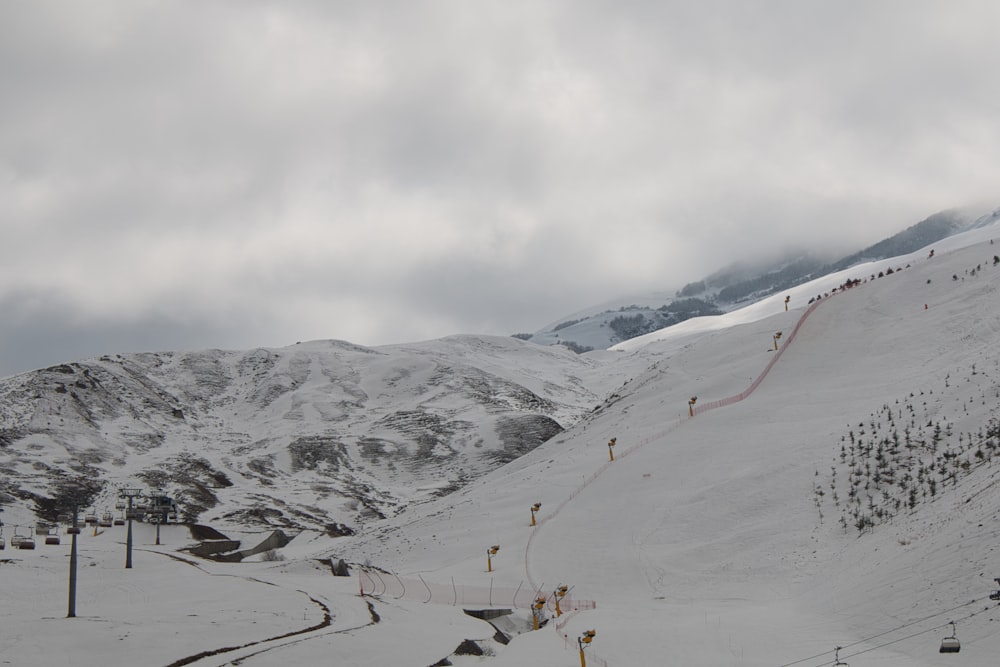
(701, 543)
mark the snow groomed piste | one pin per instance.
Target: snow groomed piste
(380, 584)
(698, 410)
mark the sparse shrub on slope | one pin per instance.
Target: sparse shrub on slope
(912, 452)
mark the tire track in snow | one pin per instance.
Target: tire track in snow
(325, 623)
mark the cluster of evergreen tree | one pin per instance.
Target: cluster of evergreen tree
(791, 275)
(908, 453)
(648, 320)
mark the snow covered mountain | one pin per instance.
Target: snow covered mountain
(738, 286)
(827, 495)
(840, 491)
(321, 435)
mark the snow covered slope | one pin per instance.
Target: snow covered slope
(850, 500)
(707, 540)
(742, 284)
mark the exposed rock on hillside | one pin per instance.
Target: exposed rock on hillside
(344, 432)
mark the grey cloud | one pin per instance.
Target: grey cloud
(455, 166)
(39, 330)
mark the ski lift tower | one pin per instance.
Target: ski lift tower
(128, 494)
(73, 530)
(156, 520)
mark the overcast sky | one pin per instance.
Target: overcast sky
(233, 174)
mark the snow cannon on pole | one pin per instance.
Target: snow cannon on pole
(776, 337)
(558, 595)
(492, 551)
(584, 641)
(534, 508)
(537, 609)
(611, 448)
(691, 402)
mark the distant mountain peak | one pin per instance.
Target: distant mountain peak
(741, 283)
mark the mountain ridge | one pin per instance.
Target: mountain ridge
(371, 429)
(738, 285)
(848, 501)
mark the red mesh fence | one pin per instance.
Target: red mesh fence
(378, 583)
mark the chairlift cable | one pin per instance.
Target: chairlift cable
(896, 641)
(882, 634)
(919, 620)
(915, 634)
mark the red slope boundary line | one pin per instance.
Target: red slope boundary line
(659, 436)
(767, 369)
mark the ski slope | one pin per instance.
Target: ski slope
(700, 544)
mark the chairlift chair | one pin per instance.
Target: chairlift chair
(52, 537)
(950, 644)
(106, 520)
(3, 542)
